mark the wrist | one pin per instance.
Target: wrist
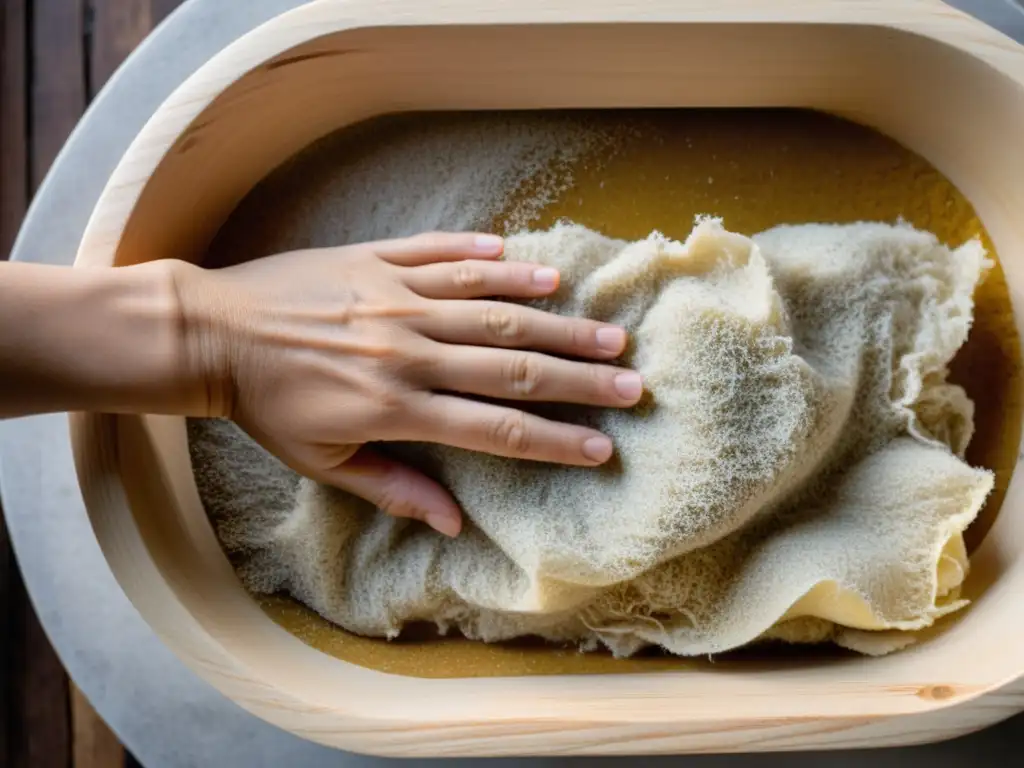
(204, 344)
(103, 339)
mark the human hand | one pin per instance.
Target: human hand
(316, 352)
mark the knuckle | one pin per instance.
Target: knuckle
(574, 335)
(503, 324)
(380, 362)
(511, 433)
(467, 277)
(389, 404)
(382, 404)
(418, 366)
(395, 499)
(430, 239)
(392, 349)
(600, 376)
(601, 382)
(524, 374)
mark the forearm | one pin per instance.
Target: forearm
(95, 339)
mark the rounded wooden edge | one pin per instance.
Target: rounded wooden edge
(932, 19)
(101, 472)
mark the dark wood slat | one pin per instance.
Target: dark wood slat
(13, 201)
(58, 96)
(13, 121)
(95, 745)
(6, 622)
(40, 727)
(163, 8)
(42, 735)
(117, 27)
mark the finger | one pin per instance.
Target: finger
(508, 375)
(432, 247)
(474, 278)
(501, 324)
(398, 490)
(506, 432)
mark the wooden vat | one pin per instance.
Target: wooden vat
(935, 80)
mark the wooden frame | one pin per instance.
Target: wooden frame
(934, 79)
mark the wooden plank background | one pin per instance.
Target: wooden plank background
(55, 57)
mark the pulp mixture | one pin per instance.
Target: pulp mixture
(639, 172)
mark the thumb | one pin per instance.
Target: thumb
(398, 490)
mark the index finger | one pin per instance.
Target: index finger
(433, 247)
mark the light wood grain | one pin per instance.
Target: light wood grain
(939, 82)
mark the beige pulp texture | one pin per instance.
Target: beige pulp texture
(625, 177)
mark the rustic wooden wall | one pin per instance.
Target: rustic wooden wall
(55, 55)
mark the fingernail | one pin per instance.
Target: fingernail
(488, 243)
(443, 523)
(546, 278)
(611, 339)
(629, 385)
(597, 449)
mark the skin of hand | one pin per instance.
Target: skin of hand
(316, 353)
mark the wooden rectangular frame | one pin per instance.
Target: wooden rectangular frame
(934, 79)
